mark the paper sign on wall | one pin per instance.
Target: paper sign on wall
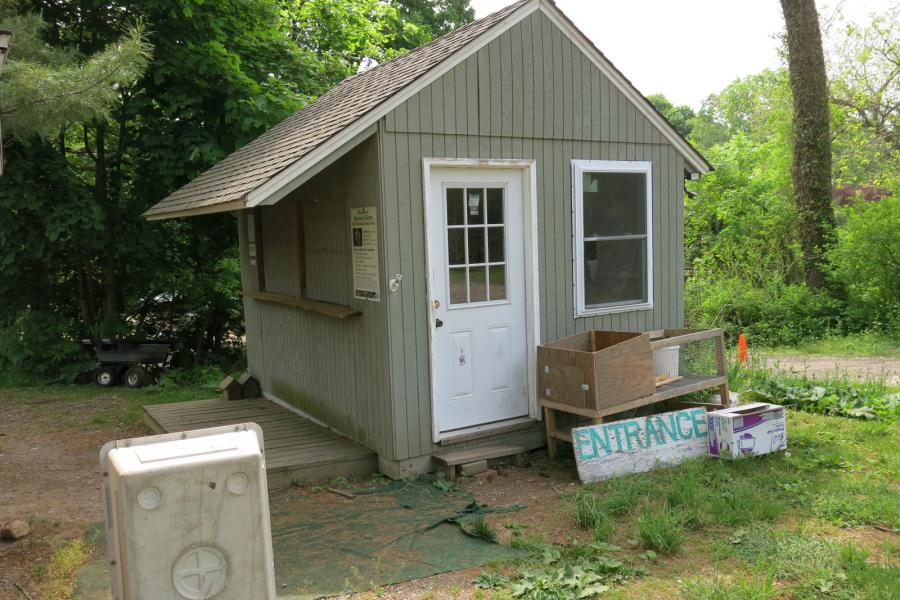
(639, 445)
(364, 236)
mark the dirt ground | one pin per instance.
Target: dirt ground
(49, 449)
(49, 476)
(856, 368)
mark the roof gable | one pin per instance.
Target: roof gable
(269, 167)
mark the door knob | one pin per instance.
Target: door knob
(438, 323)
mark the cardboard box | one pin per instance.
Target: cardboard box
(746, 430)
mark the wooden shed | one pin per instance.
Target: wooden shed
(409, 238)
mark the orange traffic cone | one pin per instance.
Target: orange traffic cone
(742, 349)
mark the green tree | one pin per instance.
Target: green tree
(681, 117)
(221, 73)
(866, 257)
(46, 89)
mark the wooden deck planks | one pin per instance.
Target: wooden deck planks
(296, 448)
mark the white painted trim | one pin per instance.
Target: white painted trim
(579, 167)
(277, 184)
(487, 430)
(532, 291)
(283, 183)
(694, 158)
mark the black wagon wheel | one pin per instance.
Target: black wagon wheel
(136, 377)
(105, 376)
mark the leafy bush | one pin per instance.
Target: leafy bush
(866, 258)
(40, 345)
(770, 315)
(828, 397)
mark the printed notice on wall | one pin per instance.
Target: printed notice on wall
(364, 235)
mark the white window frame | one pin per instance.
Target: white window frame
(579, 167)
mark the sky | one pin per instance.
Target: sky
(689, 49)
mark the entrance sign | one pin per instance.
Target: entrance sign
(364, 235)
(639, 445)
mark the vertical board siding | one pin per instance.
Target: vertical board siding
(336, 371)
(529, 94)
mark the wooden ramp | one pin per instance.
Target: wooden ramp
(296, 448)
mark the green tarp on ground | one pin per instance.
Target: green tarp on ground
(325, 544)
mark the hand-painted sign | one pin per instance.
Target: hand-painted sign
(639, 445)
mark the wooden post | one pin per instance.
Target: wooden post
(722, 364)
(550, 424)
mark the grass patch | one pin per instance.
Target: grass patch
(722, 588)
(661, 530)
(589, 513)
(59, 577)
(810, 566)
(866, 343)
(55, 407)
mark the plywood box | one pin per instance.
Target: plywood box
(596, 369)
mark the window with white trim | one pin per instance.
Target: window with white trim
(613, 236)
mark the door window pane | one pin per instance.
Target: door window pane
(475, 206)
(615, 272)
(495, 244)
(614, 204)
(455, 207)
(495, 205)
(458, 290)
(456, 246)
(497, 282)
(476, 245)
(477, 284)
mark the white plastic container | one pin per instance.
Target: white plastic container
(665, 361)
(187, 516)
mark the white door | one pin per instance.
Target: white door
(476, 255)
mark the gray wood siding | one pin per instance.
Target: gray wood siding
(529, 94)
(334, 370)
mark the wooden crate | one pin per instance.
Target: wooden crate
(596, 370)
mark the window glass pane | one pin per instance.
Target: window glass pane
(615, 204)
(455, 206)
(476, 245)
(458, 294)
(495, 205)
(477, 284)
(495, 244)
(498, 282)
(475, 206)
(456, 246)
(615, 271)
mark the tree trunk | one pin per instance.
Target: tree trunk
(811, 169)
(101, 195)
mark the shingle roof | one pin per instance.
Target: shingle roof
(244, 170)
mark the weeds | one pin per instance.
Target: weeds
(565, 573)
(839, 397)
(590, 514)
(662, 530)
(482, 530)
